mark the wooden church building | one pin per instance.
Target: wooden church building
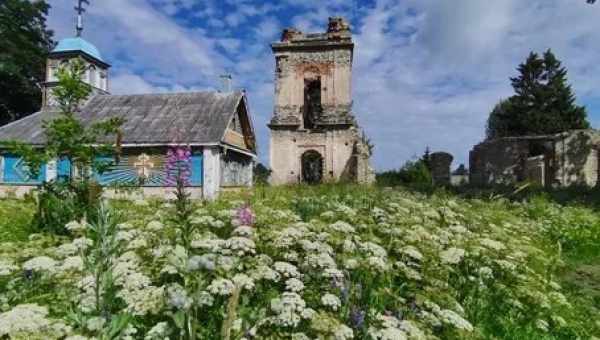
(216, 126)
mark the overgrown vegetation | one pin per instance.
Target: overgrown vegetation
(76, 195)
(313, 262)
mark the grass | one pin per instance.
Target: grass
(15, 220)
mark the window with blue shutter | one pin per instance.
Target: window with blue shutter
(197, 170)
(17, 172)
(63, 169)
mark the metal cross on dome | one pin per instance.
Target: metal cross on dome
(80, 10)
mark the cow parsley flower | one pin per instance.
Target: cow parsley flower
(40, 264)
(204, 298)
(6, 268)
(95, 324)
(342, 227)
(178, 298)
(343, 332)
(160, 331)
(289, 308)
(23, 321)
(286, 269)
(155, 226)
(294, 285)
(452, 318)
(492, 244)
(243, 281)
(75, 226)
(452, 255)
(331, 301)
(221, 287)
(73, 263)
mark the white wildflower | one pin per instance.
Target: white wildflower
(7, 268)
(160, 331)
(73, 263)
(243, 231)
(243, 281)
(492, 244)
(542, 325)
(294, 285)
(506, 265)
(221, 287)
(40, 264)
(286, 269)
(331, 301)
(75, 226)
(289, 308)
(204, 298)
(155, 226)
(95, 324)
(452, 255)
(413, 253)
(178, 298)
(206, 261)
(343, 332)
(452, 318)
(342, 227)
(240, 246)
(24, 320)
(82, 243)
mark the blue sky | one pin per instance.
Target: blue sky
(426, 72)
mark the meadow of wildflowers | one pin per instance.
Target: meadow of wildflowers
(298, 263)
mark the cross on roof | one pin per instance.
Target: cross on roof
(80, 10)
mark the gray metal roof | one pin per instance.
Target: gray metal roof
(190, 118)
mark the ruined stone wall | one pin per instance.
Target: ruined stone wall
(576, 155)
(560, 160)
(440, 167)
(497, 162)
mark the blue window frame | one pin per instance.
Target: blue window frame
(63, 169)
(197, 170)
(17, 172)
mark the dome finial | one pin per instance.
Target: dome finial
(80, 10)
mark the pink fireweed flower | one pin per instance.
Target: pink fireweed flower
(244, 216)
(178, 165)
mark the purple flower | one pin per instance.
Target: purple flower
(244, 216)
(178, 165)
(357, 318)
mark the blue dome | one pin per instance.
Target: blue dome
(78, 44)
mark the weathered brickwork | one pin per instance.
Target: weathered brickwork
(313, 109)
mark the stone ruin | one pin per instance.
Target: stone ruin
(440, 167)
(557, 160)
(314, 134)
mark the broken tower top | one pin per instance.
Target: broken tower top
(338, 31)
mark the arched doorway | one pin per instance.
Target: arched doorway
(312, 167)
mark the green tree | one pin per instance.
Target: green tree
(499, 123)
(543, 103)
(25, 44)
(67, 137)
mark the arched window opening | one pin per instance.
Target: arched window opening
(312, 102)
(312, 167)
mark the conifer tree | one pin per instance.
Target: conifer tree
(543, 103)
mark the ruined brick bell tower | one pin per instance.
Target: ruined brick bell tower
(314, 135)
